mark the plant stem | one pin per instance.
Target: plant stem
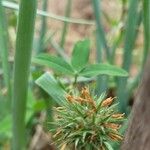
(43, 28)
(65, 25)
(4, 53)
(100, 30)
(101, 44)
(24, 43)
(120, 37)
(146, 22)
(130, 36)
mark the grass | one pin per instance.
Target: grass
(102, 47)
(65, 25)
(25, 32)
(106, 51)
(146, 22)
(43, 29)
(130, 37)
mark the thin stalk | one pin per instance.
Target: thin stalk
(146, 22)
(100, 30)
(115, 46)
(131, 86)
(4, 53)
(24, 43)
(121, 33)
(66, 24)
(130, 36)
(102, 81)
(43, 28)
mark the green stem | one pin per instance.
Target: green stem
(100, 30)
(66, 24)
(131, 86)
(43, 28)
(101, 44)
(119, 39)
(146, 22)
(116, 45)
(24, 43)
(4, 52)
(130, 36)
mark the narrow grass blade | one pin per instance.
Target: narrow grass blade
(43, 28)
(50, 85)
(102, 81)
(130, 36)
(100, 30)
(146, 22)
(24, 43)
(65, 25)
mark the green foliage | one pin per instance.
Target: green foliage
(51, 86)
(79, 63)
(69, 71)
(87, 122)
(56, 63)
(107, 69)
(146, 22)
(80, 55)
(32, 107)
(130, 37)
(79, 67)
(66, 24)
(24, 42)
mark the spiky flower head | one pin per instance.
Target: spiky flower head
(87, 122)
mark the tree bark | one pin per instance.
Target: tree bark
(138, 133)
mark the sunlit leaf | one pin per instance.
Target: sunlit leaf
(56, 63)
(50, 85)
(80, 54)
(105, 69)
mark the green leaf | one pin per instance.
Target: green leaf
(108, 146)
(105, 69)
(50, 85)
(56, 63)
(80, 54)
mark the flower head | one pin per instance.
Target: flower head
(87, 121)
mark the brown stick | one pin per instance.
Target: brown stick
(138, 133)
